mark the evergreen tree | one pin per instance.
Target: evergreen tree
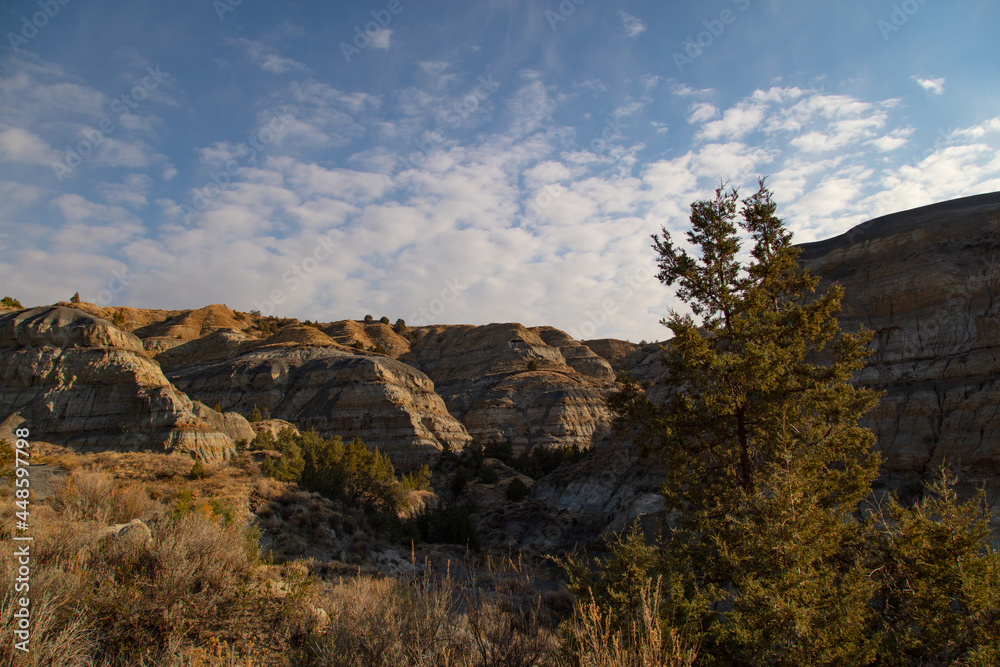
(766, 462)
(937, 580)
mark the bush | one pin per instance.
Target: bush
(399, 326)
(517, 490)
(11, 302)
(448, 523)
(255, 415)
(75, 298)
(198, 470)
(418, 480)
(368, 318)
(350, 473)
(489, 475)
(384, 319)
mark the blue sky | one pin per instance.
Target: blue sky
(461, 162)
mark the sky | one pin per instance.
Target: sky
(462, 162)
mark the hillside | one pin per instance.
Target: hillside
(926, 281)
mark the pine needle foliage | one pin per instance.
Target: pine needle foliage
(766, 462)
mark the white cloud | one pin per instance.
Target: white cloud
(978, 131)
(932, 86)
(130, 193)
(702, 111)
(382, 38)
(633, 25)
(268, 59)
(895, 140)
(735, 123)
(20, 145)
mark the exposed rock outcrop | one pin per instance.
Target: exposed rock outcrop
(386, 403)
(78, 379)
(927, 282)
(572, 507)
(536, 387)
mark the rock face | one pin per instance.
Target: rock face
(927, 282)
(575, 505)
(386, 403)
(78, 379)
(536, 387)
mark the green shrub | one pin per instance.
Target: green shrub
(517, 490)
(489, 475)
(11, 302)
(75, 298)
(255, 415)
(418, 480)
(198, 470)
(384, 319)
(448, 523)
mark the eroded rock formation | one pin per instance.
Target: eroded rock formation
(75, 378)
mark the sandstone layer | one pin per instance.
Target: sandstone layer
(75, 378)
(386, 403)
(927, 282)
(534, 387)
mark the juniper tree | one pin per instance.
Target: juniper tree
(765, 460)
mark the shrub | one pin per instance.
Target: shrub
(399, 326)
(198, 470)
(255, 415)
(517, 490)
(448, 523)
(368, 318)
(418, 480)
(489, 475)
(384, 319)
(75, 298)
(11, 302)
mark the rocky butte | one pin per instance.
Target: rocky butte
(926, 281)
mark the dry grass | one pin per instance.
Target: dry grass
(194, 589)
(429, 620)
(190, 591)
(592, 642)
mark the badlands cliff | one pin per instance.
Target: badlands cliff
(926, 281)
